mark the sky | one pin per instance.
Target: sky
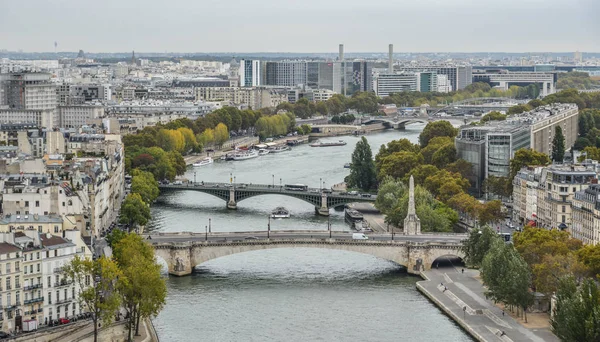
(300, 26)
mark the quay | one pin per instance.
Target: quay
(462, 297)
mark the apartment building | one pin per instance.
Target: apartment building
(255, 98)
(75, 116)
(10, 261)
(586, 215)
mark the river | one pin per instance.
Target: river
(300, 294)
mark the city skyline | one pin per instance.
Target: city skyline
(313, 26)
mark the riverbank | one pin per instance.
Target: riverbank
(461, 296)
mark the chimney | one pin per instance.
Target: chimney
(341, 52)
(391, 59)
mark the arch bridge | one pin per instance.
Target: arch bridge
(322, 199)
(396, 122)
(183, 251)
(479, 104)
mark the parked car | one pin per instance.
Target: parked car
(63, 320)
(4, 335)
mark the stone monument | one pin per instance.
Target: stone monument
(412, 224)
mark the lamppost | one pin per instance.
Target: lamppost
(230, 177)
(273, 181)
(320, 183)
(209, 225)
(329, 225)
(234, 181)
(194, 178)
(280, 182)
(205, 233)
(269, 227)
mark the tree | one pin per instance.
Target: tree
(463, 167)
(437, 129)
(534, 243)
(362, 168)
(552, 268)
(558, 145)
(589, 256)
(500, 186)
(591, 152)
(189, 138)
(306, 129)
(390, 192)
(478, 245)
(207, 137)
(398, 164)
(465, 204)
(145, 291)
(444, 185)
(221, 134)
(134, 211)
(576, 311)
(402, 145)
(434, 215)
(527, 157)
(493, 116)
(96, 281)
(434, 145)
(490, 211)
(144, 184)
(114, 237)
(444, 156)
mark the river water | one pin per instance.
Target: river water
(299, 294)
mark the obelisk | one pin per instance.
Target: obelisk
(412, 224)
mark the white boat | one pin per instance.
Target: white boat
(263, 152)
(243, 155)
(203, 162)
(279, 148)
(280, 212)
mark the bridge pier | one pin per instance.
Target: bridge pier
(323, 210)
(231, 204)
(180, 261)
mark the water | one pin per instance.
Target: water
(299, 294)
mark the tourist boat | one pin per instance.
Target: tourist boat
(280, 212)
(354, 217)
(263, 152)
(328, 144)
(203, 162)
(347, 166)
(279, 148)
(245, 154)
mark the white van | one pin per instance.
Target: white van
(359, 236)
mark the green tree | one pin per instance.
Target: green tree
(591, 152)
(362, 168)
(389, 193)
(96, 280)
(558, 145)
(437, 129)
(306, 129)
(398, 164)
(526, 157)
(493, 116)
(134, 211)
(144, 292)
(478, 244)
(577, 311)
(490, 211)
(221, 134)
(589, 256)
(114, 237)
(463, 167)
(144, 184)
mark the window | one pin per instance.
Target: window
(57, 295)
(87, 280)
(8, 287)
(66, 309)
(49, 281)
(56, 229)
(38, 267)
(8, 267)
(563, 209)
(574, 189)
(66, 294)
(18, 298)
(30, 268)
(40, 229)
(26, 203)
(31, 256)
(17, 282)
(73, 293)
(50, 299)
(63, 204)
(18, 212)
(37, 255)
(47, 254)
(17, 266)
(37, 203)
(55, 252)
(563, 218)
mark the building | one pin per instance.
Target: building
(503, 79)
(256, 98)
(47, 118)
(491, 146)
(250, 73)
(28, 91)
(586, 215)
(75, 116)
(10, 268)
(386, 84)
(427, 81)
(545, 196)
(458, 76)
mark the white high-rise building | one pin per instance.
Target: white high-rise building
(386, 84)
(249, 73)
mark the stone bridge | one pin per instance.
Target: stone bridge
(396, 122)
(322, 199)
(184, 251)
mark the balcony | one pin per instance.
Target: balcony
(32, 287)
(59, 269)
(34, 300)
(63, 283)
(65, 300)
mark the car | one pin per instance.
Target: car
(251, 238)
(4, 335)
(353, 193)
(366, 195)
(63, 320)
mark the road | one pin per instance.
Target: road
(263, 235)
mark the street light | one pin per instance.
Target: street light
(273, 180)
(194, 178)
(320, 183)
(269, 228)
(230, 177)
(329, 225)
(234, 180)
(209, 225)
(205, 233)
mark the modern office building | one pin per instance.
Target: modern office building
(386, 84)
(490, 147)
(28, 91)
(458, 76)
(503, 79)
(427, 81)
(249, 73)
(75, 116)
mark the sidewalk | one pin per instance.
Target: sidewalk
(113, 333)
(462, 297)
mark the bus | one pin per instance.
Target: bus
(506, 236)
(296, 187)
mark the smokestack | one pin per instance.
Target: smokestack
(341, 52)
(391, 59)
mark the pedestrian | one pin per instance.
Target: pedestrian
(445, 288)
(502, 313)
(441, 284)
(463, 271)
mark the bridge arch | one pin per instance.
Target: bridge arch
(416, 257)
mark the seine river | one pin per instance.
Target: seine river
(299, 294)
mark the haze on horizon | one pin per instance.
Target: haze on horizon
(306, 26)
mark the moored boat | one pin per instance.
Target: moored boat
(263, 152)
(328, 144)
(347, 166)
(245, 154)
(280, 212)
(203, 162)
(278, 148)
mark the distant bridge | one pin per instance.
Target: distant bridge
(183, 251)
(482, 104)
(322, 199)
(396, 122)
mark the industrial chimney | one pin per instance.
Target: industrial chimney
(341, 52)
(391, 59)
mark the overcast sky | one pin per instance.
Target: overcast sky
(300, 25)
